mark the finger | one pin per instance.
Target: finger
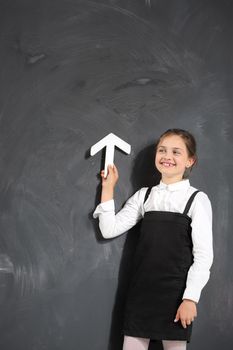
(183, 322)
(115, 169)
(177, 317)
(102, 174)
(188, 322)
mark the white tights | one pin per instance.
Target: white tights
(132, 343)
(174, 344)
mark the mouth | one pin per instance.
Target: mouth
(167, 164)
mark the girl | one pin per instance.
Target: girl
(174, 253)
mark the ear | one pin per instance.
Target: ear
(190, 162)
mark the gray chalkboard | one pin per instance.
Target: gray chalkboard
(71, 72)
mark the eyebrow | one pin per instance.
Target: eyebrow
(172, 147)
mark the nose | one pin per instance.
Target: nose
(167, 155)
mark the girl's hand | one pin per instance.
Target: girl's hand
(109, 183)
(186, 312)
(112, 177)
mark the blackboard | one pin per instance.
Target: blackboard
(71, 72)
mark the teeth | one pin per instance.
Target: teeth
(167, 164)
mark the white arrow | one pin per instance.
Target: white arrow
(110, 141)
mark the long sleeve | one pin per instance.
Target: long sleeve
(111, 224)
(199, 272)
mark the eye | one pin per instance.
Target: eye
(161, 150)
(176, 152)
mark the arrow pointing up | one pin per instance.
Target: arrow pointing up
(110, 141)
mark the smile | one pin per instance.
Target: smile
(167, 164)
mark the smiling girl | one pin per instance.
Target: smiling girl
(174, 253)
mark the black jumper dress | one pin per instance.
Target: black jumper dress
(162, 259)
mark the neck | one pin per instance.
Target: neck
(169, 181)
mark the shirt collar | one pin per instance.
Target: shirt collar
(176, 186)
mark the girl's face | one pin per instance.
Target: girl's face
(172, 158)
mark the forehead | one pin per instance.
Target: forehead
(174, 141)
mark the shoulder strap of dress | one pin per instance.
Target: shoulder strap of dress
(188, 205)
(147, 194)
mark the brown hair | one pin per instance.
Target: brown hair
(189, 141)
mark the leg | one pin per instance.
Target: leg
(174, 344)
(132, 343)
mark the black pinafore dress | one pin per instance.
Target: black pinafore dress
(162, 259)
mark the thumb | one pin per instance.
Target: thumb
(114, 168)
(110, 168)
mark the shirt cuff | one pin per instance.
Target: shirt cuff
(104, 207)
(192, 295)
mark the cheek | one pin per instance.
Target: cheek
(157, 158)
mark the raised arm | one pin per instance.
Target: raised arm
(111, 224)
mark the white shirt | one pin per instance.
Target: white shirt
(172, 197)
